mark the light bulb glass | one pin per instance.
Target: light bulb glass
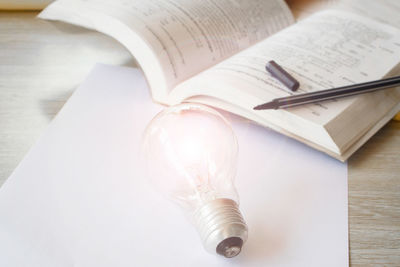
(191, 155)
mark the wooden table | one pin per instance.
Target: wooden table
(41, 64)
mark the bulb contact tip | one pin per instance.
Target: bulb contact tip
(230, 247)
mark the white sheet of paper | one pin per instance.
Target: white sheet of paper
(79, 197)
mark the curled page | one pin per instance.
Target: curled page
(175, 40)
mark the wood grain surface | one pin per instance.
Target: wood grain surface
(41, 63)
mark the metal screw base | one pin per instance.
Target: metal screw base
(221, 227)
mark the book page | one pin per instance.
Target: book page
(329, 49)
(184, 36)
(386, 11)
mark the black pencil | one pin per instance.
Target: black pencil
(322, 95)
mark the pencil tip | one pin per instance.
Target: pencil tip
(269, 105)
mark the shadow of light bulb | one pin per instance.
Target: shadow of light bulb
(191, 151)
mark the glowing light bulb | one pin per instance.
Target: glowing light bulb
(191, 153)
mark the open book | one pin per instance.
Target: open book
(214, 52)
